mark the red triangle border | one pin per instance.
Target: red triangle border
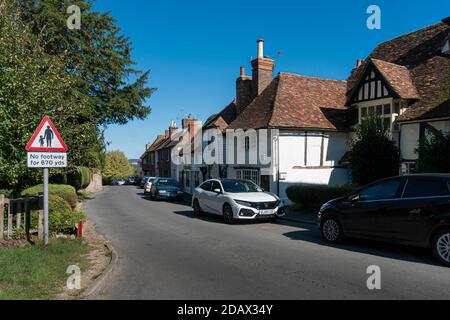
(55, 131)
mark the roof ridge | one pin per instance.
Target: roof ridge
(309, 77)
(384, 61)
(412, 32)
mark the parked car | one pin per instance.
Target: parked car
(166, 188)
(131, 180)
(148, 185)
(411, 209)
(236, 200)
(118, 182)
(143, 181)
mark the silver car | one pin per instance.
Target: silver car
(236, 200)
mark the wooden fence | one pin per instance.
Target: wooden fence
(15, 218)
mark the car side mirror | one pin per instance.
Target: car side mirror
(354, 198)
(217, 190)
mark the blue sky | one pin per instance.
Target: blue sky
(194, 48)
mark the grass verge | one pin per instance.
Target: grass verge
(38, 272)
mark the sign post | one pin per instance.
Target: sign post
(45, 206)
(46, 149)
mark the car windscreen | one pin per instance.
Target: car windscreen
(239, 186)
(168, 182)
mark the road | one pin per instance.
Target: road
(165, 252)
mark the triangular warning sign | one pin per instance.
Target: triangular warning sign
(46, 138)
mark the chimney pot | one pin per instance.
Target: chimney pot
(359, 62)
(242, 71)
(260, 48)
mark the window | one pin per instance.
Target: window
(215, 185)
(424, 188)
(248, 174)
(196, 179)
(387, 109)
(408, 167)
(247, 143)
(380, 191)
(188, 179)
(363, 112)
(206, 186)
(234, 186)
(379, 110)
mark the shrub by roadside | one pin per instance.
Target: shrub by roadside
(61, 219)
(80, 177)
(311, 197)
(66, 192)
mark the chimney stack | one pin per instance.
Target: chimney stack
(359, 62)
(262, 72)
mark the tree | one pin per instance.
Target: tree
(116, 166)
(77, 77)
(434, 153)
(373, 155)
(98, 55)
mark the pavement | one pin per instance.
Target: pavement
(166, 252)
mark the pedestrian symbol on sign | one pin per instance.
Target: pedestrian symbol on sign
(48, 136)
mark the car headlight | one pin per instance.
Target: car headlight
(162, 191)
(243, 203)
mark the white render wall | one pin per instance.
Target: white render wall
(292, 166)
(410, 133)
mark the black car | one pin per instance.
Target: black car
(166, 188)
(411, 209)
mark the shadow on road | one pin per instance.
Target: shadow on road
(375, 248)
(215, 218)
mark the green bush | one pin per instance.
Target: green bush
(80, 177)
(374, 154)
(86, 174)
(61, 218)
(66, 192)
(311, 197)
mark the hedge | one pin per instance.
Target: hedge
(68, 193)
(311, 197)
(61, 219)
(80, 178)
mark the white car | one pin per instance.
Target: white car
(148, 185)
(236, 200)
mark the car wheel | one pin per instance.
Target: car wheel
(332, 230)
(228, 214)
(441, 246)
(197, 209)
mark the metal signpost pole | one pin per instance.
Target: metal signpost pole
(45, 206)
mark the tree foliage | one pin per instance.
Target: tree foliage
(373, 155)
(434, 153)
(77, 77)
(116, 166)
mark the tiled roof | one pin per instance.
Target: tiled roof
(222, 119)
(420, 52)
(398, 77)
(295, 101)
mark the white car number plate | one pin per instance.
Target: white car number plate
(264, 212)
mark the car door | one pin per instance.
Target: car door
(423, 198)
(216, 199)
(203, 194)
(364, 212)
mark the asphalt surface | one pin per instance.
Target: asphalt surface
(165, 252)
